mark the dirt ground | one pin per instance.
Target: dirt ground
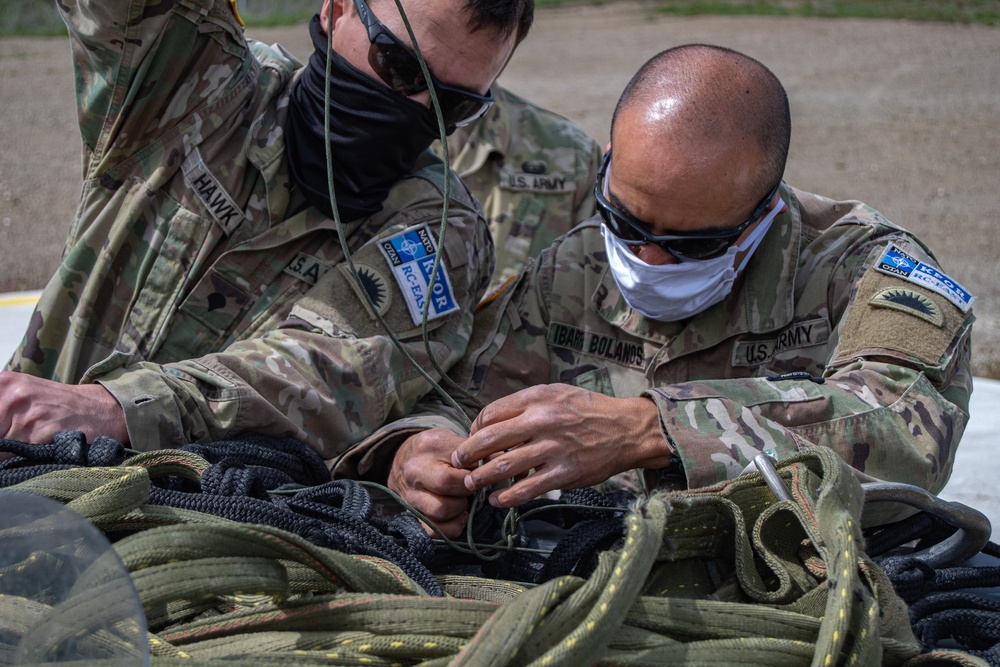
(904, 116)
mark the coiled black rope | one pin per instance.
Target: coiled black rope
(576, 553)
(254, 464)
(238, 485)
(944, 612)
(67, 450)
(283, 483)
(556, 537)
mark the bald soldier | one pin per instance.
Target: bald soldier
(203, 289)
(710, 312)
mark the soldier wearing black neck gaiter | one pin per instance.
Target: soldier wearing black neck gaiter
(375, 136)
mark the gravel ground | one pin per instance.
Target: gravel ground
(901, 115)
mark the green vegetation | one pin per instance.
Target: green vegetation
(38, 17)
(277, 12)
(29, 17)
(985, 12)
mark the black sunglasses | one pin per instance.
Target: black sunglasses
(398, 66)
(681, 245)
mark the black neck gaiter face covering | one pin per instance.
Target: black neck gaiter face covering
(376, 134)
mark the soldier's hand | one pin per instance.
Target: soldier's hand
(423, 475)
(561, 437)
(34, 410)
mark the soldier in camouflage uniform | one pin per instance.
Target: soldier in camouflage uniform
(532, 170)
(203, 289)
(633, 344)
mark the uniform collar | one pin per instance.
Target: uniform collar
(756, 305)
(470, 146)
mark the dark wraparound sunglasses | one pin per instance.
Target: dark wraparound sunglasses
(694, 245)
(398, 66)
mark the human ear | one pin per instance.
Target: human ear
(330, 14)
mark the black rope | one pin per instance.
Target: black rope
(971, 621)
(237, 486)
(67, 449)
(256, 463)
(320, 519)
(576, 527)
(576, 553)
(590, 532)
(283, 483)
(944, 613)
(922, 527)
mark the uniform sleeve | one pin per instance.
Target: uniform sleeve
(129, 62)
(893, 400)
(504, 355)
(330, 375)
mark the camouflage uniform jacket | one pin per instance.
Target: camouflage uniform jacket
(533, 172)
(196, 284)
(814, 347)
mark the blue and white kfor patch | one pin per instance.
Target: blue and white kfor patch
(411, 254)
(896, 262)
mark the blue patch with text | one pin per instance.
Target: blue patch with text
(411, 255)
(896, 262)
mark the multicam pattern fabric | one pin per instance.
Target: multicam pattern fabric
(532, 170)
(801, 354)
(196, 285)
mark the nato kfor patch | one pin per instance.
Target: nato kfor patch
(411, 255)
(895, 262)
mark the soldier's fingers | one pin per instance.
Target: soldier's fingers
(498, 437)
(519, 461)
(529, 488)
(452, 528)
(502, 409)
(522, 402)
(444, 480)
(439, 508)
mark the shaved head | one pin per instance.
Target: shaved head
(703, 100)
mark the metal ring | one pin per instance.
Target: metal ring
(974, 527)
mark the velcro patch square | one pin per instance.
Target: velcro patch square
(888, 318)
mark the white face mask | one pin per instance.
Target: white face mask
(672, 292)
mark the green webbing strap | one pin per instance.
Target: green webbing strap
(166, 546)
(723, 575)
(479, 588)
(377, 613)
(565, 621)
(113, 499)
